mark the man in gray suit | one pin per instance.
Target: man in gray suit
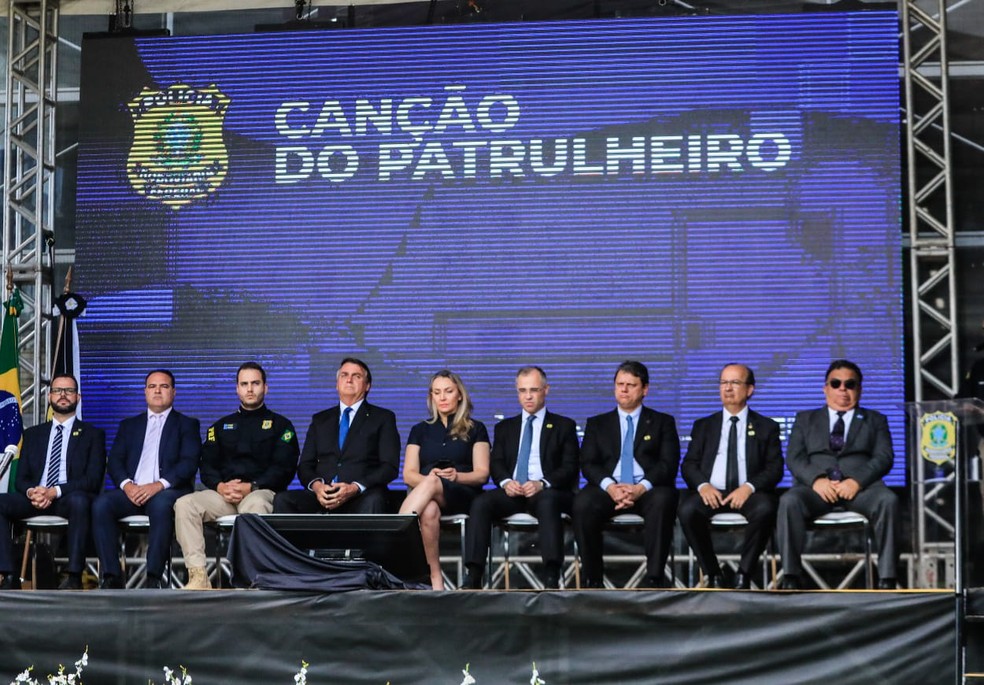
(838, 456)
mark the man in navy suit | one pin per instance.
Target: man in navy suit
(60, 470)
(152, 462)
(351, 452)
(733, 463)
(838, 456)
(630, 458)
(541, 483)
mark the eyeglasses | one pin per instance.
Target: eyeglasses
(849, 384)
(63, 391)
(733, 384)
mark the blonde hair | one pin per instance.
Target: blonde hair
(461, 422)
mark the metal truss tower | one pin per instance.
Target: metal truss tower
(935, 354)
(29, 184)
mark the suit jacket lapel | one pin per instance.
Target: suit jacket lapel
(544, 435)
(167, 437)
(857, 424)
(72, 438)
(713, 439)
(645, 420)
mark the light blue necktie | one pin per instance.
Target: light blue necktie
(343, 428)
(54, 461)
(525, 447)
(625, 461)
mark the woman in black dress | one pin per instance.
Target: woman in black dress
(446, 463)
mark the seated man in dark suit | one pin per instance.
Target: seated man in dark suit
(629, 457)
(351, 452)
(733, 463)
(153, 462)
(60, 470)
(534, 463)
(838, 456)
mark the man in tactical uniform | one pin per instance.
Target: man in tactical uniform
(248, 457)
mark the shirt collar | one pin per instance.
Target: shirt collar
(635, 413)
(355, 407)
(539, 414)
(164, 414)
(742, 415)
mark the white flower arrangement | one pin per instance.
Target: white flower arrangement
(172, 678)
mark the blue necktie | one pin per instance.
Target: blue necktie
(625, 461)
(54, 461)
(343, 428)
(525, 447)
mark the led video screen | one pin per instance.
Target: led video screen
(682, 191)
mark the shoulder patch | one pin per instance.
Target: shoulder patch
(211, 434)
(288, 435)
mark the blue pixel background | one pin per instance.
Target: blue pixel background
(783, 270)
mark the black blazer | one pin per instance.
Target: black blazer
(657, 447)
(372, 448)
(85, 457)
(179, 453)
(763, 451)
(867, 455)
(558, 450)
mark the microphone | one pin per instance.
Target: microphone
(9, 453)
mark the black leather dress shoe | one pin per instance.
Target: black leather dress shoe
(110, 582)
(887, 584)
(653, 583)
(472, 581)
(790, 583)
(743, 581)
(593, 584)
(156, 583)
(551, 580)
(10, 582)
(714, 581)
(73, 581)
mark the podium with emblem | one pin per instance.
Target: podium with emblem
(945, 480)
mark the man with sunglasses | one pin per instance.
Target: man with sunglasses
(59, 473)
(838, 456)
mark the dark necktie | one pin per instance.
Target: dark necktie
(627, 469)
(837, 434)
(525, 447)
(731, 477)
(54, 459)
(343, 427)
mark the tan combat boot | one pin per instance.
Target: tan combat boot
(197, 579)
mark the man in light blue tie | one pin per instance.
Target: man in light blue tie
(534, 463)
(60, 470)
(630, 458)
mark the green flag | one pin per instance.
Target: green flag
(11, 425)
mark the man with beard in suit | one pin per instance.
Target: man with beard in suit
(351, 452)
(733, 463)
(838, 455)
(60, 471)
(534, 463)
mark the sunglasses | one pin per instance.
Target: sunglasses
(849, 384)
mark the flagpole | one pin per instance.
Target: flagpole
(61, 322)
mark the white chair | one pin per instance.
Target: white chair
(138, 524)
(457, 522)
(846, 520)
(526, 523)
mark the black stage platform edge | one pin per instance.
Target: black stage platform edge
(402, 637)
